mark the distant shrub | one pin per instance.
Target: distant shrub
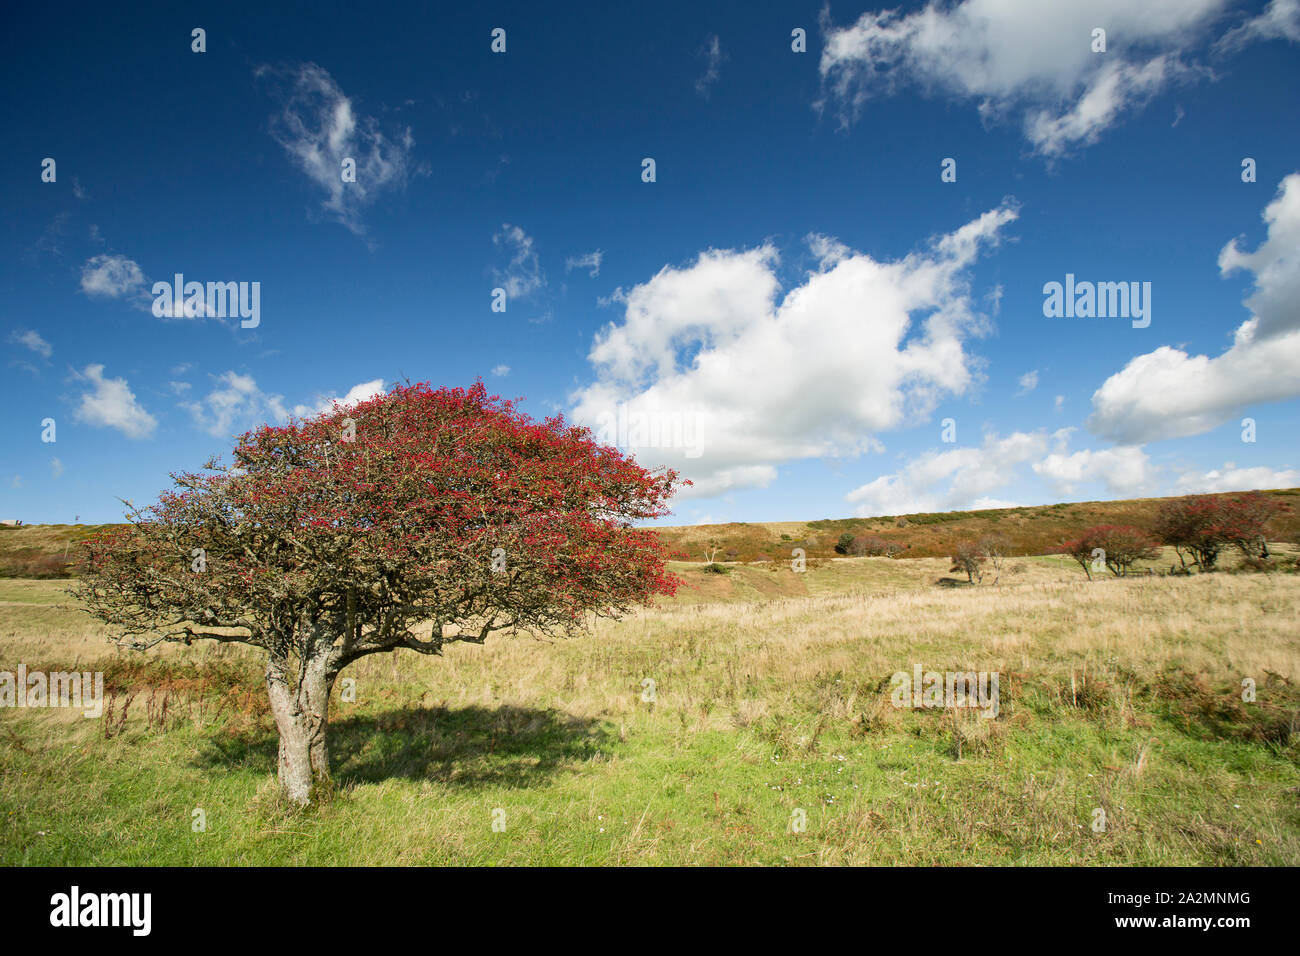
(1247, 520)
(969, 557)
(1117, 547)
(35, 566)
(1257, 565)
(995, 548)
(715, 568)
(867, 545)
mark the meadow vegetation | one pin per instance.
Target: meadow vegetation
(697, 730)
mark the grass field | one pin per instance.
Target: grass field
(771, 704)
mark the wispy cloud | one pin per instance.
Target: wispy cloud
(591, 262)
(713, 56)
(522, 277)
(1021, 58)
(32, 340)
(1279, 21)
(319, 128)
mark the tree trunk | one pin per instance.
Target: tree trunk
(301, 710)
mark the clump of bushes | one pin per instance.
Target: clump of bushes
(1116, 547)
(35, 565)
(1201, 526)
(866, 545)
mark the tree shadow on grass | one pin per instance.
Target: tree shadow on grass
(458, 746)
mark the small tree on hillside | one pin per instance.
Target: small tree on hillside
(1193, 525)
(968, 557)
(1117, 547)
(995, 547)
(413, 520)
(1081, 550)
(1246, 520)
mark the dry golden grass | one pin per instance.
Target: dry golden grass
(770, 695)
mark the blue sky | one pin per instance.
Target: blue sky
(788, 313)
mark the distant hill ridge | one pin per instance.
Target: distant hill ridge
(37, 551)
(1030, 530)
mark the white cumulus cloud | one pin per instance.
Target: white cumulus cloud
(112, 277)
(1168, 393)
(1124, 470)
(1232, 478)
(957, 479)
(713, 371)
(235, 404)
(110, 403)
(357, 393)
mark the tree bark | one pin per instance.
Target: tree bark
(301, 710)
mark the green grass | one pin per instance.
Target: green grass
(771, 697)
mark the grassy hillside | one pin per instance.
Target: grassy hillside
(40, 550)
(1030, 530)
(37, 551)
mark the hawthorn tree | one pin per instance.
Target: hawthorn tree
(1192, 525)
(1080, 549)
(1246, 521)
(412, 520)
(1118, 546)
(1203, 526)
(968, 557)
